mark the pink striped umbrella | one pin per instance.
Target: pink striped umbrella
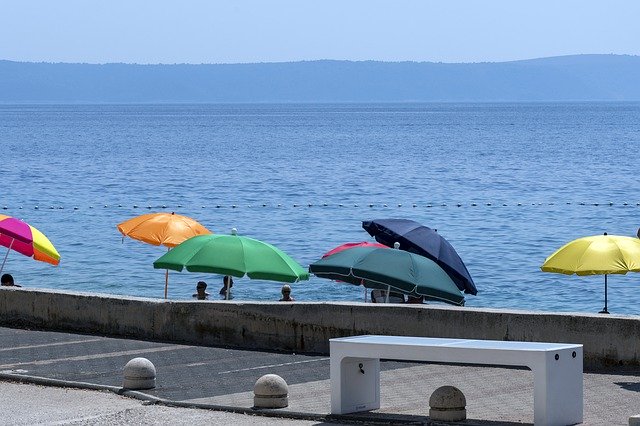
(25, 239)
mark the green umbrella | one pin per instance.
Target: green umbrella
(232, 255)
(400, 270)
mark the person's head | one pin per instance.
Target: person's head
(286, 291)
(201, 294)
(7, 280)
(228, 281)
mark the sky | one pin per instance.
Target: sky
(238, 31)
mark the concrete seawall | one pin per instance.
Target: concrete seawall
(307, 327)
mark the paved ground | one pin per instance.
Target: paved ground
(225, 377)
(24, 404)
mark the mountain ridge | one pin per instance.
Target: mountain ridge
(561, 78)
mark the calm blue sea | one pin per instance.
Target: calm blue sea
(506, 184)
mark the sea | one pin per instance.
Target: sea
(505, 183)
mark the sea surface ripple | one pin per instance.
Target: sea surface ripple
(506, 184)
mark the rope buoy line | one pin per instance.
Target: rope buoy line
(309, 205)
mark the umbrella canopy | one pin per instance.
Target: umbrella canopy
(381, 268)
(25, 239)
(346, 246)
(232, 255)
(167, 229)
(422, 240)
(596, 255)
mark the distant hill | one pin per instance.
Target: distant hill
(565, 78)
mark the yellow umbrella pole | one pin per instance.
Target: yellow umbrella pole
(604, 310)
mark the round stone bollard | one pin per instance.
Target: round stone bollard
(447, 404)
(270, 391)
(139, 373)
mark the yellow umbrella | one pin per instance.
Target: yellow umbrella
(596, 255)
(167, 229)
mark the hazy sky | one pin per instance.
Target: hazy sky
(184, 31)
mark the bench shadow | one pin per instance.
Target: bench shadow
(373, 418)
(630, 386)
(631, 373)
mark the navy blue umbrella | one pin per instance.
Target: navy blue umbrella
(416, 238)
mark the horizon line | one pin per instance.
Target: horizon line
(322, 60)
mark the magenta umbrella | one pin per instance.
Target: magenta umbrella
(25, 239)
(347, 246)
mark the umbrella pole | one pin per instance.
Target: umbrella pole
(166, 280)
(605, 311)
(6, 255)
(166, 283)
(226, 296)
(365, 294)
(388, 291)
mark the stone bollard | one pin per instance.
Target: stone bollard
(447, 404)
(139, 373)
(634, 420)
(270, 391)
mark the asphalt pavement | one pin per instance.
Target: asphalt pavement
(218, 380)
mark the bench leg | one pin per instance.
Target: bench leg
(558, 389)
(355, 384)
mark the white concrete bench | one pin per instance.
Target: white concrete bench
(556, 367)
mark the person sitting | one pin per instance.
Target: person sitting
(201, 293)
(286, 294)
(7, 281)
(415, 299)
(227, 283)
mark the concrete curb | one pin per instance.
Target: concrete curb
(151, 400)
(45, 381)
(275, 413)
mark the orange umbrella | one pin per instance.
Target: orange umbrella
(167, 229)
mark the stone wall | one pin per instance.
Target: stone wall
(307, 326)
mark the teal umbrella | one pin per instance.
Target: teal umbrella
(232, 255)
(399, 270)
